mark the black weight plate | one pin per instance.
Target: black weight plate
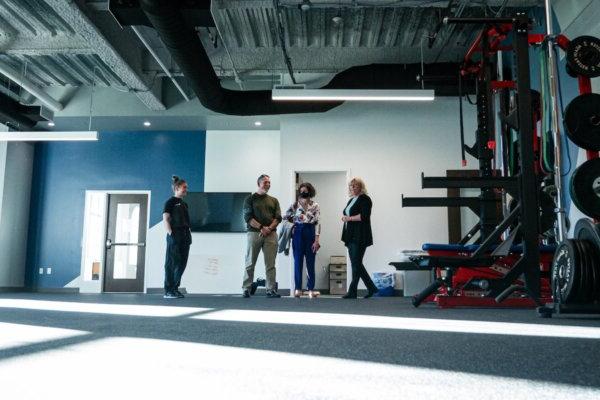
(570, 71)
(587, 230)
(584, 277)
(591, 254)
(580, 266)
(582, 121)
(565, 274)
(583, 193)
(583, 56)
(596, 272)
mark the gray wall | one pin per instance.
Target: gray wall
(16, 162)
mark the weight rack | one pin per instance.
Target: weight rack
(560, 305)
(525, 214)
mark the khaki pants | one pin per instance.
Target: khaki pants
(255, 244)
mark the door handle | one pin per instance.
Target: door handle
(110, 244)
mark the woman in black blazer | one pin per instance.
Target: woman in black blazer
(357, 235)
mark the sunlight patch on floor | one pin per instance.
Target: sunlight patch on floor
(17, 335)
(99, 308)
(151, 368)
(402, 323)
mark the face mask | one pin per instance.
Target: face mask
(305, 195)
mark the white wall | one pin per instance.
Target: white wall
(332, 193)
(16, 163)
(234, 159)
(388, 145)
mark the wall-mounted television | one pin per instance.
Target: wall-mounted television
(216, 212)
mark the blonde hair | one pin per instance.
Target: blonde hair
(360, 183)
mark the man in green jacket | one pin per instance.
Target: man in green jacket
(262, 215)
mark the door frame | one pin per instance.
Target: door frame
(292, 193)
(97, 286)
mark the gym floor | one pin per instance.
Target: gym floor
(141, 346)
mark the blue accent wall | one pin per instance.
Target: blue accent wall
(63, 171)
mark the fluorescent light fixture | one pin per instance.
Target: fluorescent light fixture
(147, 123)
(352, 95)
(50, 123)
(257, 123)
(39, 136)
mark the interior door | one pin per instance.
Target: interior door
(125, 243)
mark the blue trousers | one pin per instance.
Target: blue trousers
(302, 241)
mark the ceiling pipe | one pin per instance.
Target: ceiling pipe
(159, 61)
(31, 87)
(188, 52)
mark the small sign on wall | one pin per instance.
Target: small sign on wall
(212, 266)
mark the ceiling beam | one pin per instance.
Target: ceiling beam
(84, 27)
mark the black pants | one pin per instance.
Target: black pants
(178, 249)
(356, 253)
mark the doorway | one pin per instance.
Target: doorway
(332, 195)
(125, 243)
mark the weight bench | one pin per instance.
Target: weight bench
(473, 276)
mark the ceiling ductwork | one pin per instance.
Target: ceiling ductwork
(188, 52)
(184, 45)
(17, 116)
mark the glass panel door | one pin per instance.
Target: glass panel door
(125, 243)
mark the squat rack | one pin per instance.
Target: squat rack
(519, 186)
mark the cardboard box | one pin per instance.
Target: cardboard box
(337, 275)
(95, 271)
(337, 286)
(337, 260)
(337, 268)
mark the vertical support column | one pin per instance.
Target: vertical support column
(529, 195)
(485, 132)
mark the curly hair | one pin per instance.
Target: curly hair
(311, 189)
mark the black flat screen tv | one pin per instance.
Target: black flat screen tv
(216, 212)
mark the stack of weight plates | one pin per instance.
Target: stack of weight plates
(576, 266)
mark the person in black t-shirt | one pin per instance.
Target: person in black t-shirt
(179, 238)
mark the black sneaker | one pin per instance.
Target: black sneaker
(246, 293)
(169, 295)
(178, 294)
(273, 294)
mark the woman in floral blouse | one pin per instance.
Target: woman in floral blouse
(305, 213)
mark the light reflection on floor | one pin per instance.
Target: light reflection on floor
(17, 335)
(99, 308)
(417, 324)
(133, 368)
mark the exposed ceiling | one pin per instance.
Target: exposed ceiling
(70, 44)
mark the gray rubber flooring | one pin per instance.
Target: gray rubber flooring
(227, 346)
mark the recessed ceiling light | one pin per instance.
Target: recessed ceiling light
(257, 123)
(50, 123)
(147, 123)
(305, 6)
